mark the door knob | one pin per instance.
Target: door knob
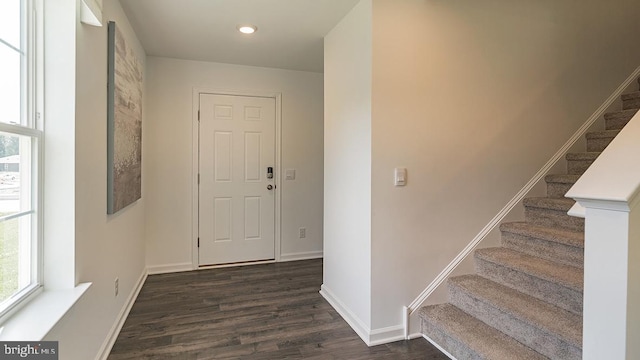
(269, 187)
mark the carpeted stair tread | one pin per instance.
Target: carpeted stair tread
(605, 134)
(556, 244)
(631, 100)
(578, 163)
(466, 337)
(557, 235)
(620, 114)
(567, 276)
(582, 156)
(618, 119)
(562, 178)
(629, 96)
(558, 185)
(549, 319)
(559, 204)
(599, 140)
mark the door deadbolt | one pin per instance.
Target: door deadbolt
(269, 187)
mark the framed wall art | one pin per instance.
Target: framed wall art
(124, 123)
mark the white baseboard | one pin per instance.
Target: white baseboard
(169, 268)
(301, 256)
(180, 267)
(386, 335)
(370, 337)
(352, 319)
(105, 349)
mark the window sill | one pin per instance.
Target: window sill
(40, 315)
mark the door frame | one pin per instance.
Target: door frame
(195, 140)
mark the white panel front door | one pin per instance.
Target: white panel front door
(236, 198)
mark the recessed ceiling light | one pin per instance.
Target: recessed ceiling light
(247, 29)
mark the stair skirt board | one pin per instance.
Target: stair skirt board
(525, 300)
(445, 352)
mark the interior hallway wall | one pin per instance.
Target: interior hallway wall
(347, 161)
(106, 246)
(168, 147)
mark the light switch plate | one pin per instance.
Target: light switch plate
(290, 174)
(400, 177)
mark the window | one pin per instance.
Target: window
(20, 153)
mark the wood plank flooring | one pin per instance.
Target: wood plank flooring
(271, 311)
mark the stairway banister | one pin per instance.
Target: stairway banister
(609, 192)
(613, 176)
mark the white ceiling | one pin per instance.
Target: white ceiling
(290, 32)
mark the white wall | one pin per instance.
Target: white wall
(106, 247)
(347, 162)
(168, 144)
(473, 98)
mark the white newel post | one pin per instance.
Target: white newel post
(608, 197)
(611, 318)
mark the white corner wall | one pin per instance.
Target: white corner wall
(168, 146)
(106, 247)
(347, 164)
(472, 98)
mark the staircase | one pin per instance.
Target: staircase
(525, 300)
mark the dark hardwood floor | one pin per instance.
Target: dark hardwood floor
(271, 311)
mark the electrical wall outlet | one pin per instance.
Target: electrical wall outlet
(116, 286)
(302, 233)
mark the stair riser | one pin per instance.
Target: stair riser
(557, 190)
(550, 292)
(526, 333)
(552, 218)
(616, 122)
(599, 144)
(631, 104)
(456, 348)
(578, 167)
(561, 253)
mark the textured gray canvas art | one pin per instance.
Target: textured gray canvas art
(124, 130)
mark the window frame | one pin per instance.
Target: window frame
(31, 125)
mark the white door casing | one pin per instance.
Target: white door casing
(236, 208)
